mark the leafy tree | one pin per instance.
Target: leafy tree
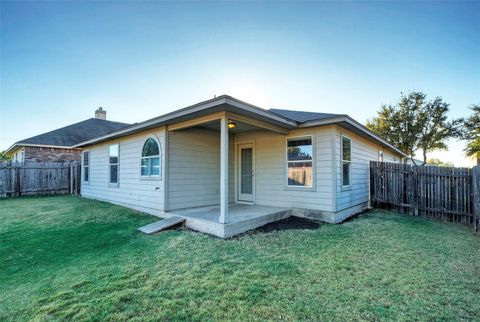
(3, 156)
(436, 128)
(439, 162)
(471, 132)
(415, 124)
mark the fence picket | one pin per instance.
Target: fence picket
(436, 192)
(17, 179)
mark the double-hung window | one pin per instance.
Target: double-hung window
(380, 155)
(346, 160)
(113, 153)
(86, 165)
(150, 164)
(300, 162)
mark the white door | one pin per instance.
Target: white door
(246, 174)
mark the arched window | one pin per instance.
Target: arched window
(150, 165)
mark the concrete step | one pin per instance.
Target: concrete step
(161, 225)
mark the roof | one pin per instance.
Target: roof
(301, 116)
(73, 134)
(286, 119)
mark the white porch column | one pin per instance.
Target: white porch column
(223, 169)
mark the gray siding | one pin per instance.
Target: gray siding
(194, 168)
(270, 170)
(363, 151)
(132, 191)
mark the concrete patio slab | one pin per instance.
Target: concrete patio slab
(241, 218)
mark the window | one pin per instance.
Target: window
(380, 155)
(299, 162)
(86, 165)
(113, 161)
(150, 164)
(346, 160)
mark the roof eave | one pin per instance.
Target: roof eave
(12, 147)
(347, 119)
(185, 112)
(20, 144)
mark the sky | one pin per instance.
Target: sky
(59, 61)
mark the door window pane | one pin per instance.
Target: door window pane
(246, 171)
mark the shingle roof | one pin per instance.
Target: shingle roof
(301, 117)
(75, 133)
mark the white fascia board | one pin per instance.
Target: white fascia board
(13, 147)
(352, 122)
(257, 110)
(164, 119)
(155, 121)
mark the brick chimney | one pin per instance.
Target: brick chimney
(101, 114)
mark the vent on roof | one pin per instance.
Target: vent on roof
(101, 114)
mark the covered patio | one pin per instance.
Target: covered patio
(231, 209)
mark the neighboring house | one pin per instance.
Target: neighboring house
(228, 166)
(414, 161)
(473, 161)
(57, 145)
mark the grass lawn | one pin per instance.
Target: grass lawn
(73, 258)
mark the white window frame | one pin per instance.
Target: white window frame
(150, 176)
(294, 138)
(348, 161)
(110, 183)
(86, 168)
(380, 155)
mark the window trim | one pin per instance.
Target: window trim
(349, 162)
(381, 155)
(293, 187)
(110, 183)
(88, 166)
(155, 176)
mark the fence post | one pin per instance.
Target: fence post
(70, 173)
(476, 197)
(415, 190)
(17, 181)
(76, 178)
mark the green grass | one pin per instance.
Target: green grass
(64, 258)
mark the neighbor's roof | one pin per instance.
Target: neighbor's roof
(286, 119)
(71, 135)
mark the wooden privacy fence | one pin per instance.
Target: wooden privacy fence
(18, 179)
(438, 192)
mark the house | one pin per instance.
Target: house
(57, 145)
(473, 161)
(227, 166)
